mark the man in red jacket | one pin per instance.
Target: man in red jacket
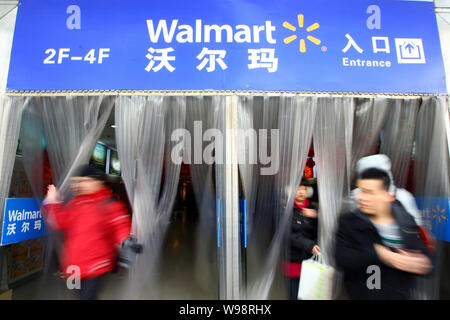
(95, 226)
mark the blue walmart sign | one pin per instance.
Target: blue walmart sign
(22, 220)
(436, 216)
(322, 45)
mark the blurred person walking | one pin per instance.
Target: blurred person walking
(379, 235)
(95, 226)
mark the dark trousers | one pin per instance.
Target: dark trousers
(293, 284)
(90, 288)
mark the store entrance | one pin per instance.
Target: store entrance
(186, 265)
(195, 250)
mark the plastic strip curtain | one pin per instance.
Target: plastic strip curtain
(32, 140)
(354, 127)
(250, 111)
(332, 149)
(370, 116)
(296, 119)
(398, 136)
(248, 107)
(32, 137)
(143, 125)
(332, 138)
(226, 167)
(258, 188)
(262, 225)
(431, 177)
(390, 122)
(265, 115)
(71, 127)
(394, 122)
(447, 124)
(201, 116)
(10, 119)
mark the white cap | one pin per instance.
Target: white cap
(377, 161)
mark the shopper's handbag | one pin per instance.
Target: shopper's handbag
(316, 280)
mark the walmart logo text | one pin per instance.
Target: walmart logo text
(210, 33)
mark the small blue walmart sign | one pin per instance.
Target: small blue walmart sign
(22, 220)
(436, 216)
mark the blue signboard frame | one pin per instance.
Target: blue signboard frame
(321, 45)
(22, 220)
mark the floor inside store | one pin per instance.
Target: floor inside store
(175, 273)
(182, 275)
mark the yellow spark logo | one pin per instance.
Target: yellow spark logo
(439, 214)
(312, 27)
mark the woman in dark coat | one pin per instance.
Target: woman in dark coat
(303, 237)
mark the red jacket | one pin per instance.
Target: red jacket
(94, 226)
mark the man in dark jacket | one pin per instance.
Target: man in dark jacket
(378, 246)
(303, 237)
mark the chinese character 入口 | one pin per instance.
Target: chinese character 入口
(163, 59)
(214, 56)
(11, 229)
(263, 58)
(25, 227)
(351, 43)
(386, 47)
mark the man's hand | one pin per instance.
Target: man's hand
(411, 262)
(52, 195)
(310, 213)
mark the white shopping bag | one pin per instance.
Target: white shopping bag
(316, 280)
